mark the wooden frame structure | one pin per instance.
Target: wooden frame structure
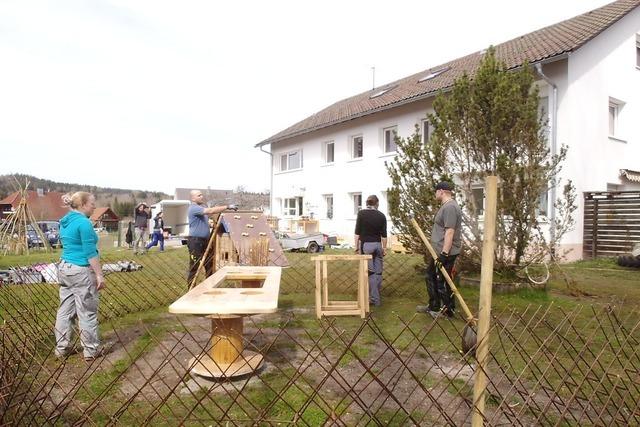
(241, 238)
(326, 307)
(227, 307)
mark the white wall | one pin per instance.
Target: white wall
(345, 176)
(603, 68)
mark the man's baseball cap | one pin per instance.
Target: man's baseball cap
(444, 185)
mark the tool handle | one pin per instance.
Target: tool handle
(455, 291)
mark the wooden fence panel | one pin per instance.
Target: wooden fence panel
(611, 223)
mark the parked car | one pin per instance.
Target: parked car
(51, 230)
(312, 243)
(33, 238)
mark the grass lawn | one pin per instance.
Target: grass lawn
(141, 297)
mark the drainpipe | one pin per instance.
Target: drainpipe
(554, 149)
(270, 180)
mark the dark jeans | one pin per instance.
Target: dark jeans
(156, 237)
(440, 295)
(374, 267)
(197, 247)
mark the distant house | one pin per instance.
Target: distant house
(213, 197)
(246, 200)
(45, 206)
(588, 74)
(105, 218)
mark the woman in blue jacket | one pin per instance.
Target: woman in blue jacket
(80, 276)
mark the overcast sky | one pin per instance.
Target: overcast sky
(156, 95)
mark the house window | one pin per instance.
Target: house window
(638, 50)
(613, 118)
(389, 137)
(478, 197)
(382, 92)
(328, 203)
(329, 152)
(291, 161)
(356, 198)
(543, 114)
(433, 74)
(289, 207)
(356, 147)
(543, 204)
(426, 131)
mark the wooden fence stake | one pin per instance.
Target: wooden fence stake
(484, 306)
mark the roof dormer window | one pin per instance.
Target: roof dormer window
(433, 74)
(381, 92)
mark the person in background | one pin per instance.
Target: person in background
(141, 223)
(371, 239)
(158, 232)
(199, 233)
(128, 238)
(80, 276)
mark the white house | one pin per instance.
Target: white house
(589, 79)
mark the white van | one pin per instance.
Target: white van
(175, 217)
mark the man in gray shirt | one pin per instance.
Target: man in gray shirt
(446, 239)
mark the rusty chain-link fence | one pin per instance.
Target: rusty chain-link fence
(549, 365)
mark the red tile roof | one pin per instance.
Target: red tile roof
(47, 207)
(97, 214)
(544, 44)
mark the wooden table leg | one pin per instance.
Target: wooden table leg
(227, 356)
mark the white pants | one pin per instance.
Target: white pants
(78, 298)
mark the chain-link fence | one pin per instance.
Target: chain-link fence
(548, 365)
(155, 279)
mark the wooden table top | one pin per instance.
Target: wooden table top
(213, 296)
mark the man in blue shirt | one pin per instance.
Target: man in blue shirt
(199, 214)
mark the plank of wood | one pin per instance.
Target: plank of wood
(328, 311)
(325, 283)
(338, 303)
(318, 289)
(340, 257)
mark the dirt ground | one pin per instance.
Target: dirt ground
(423, 384)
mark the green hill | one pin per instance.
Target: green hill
(120, 200)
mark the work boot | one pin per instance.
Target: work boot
(103, 351)
(423, 309)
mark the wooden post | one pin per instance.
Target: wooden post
(318, 289)
(226, 341)
(227, 357)
(325, 284)
(594, 230)
(484, 306)
(363, 288)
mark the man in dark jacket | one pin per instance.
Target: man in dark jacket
(371, 239)
(141, 223)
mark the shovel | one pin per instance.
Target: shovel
(469, 336)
